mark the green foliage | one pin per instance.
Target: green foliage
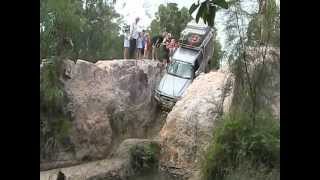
(193, 7)
(144, 157)
(169, 18)
(51, 92)
(236, 141)
(253, 77)
(262, 30)
(254, 91)
(70, 30)
(55, 123)
(155, 27)
(265, 28)
(245, 171)
(59, 21)
(221, 3)
(246, 141)
(207, 10)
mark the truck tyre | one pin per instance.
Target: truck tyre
(207, 68)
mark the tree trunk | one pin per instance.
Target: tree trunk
(262, 6)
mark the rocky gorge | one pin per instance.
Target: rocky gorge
(114, 114)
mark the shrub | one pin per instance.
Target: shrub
(144, 157)
(237, 140)
(245, 171)
(54, 120)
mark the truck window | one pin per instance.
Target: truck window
(180, 69)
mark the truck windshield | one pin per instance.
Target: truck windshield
(181, 69)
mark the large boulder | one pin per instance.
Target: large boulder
(188, 128)
(110, 101)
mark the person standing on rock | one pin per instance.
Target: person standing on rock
(126, 44)
(134, 34)
(156, 42)
(148, 46)
(166, 42)
(140, 46)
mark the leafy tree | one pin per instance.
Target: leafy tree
(237, 143)
(54, 120)
(248, 47)
(100, 38)
(79, 29)
(58, 22)
(265, 26)
(246, 141)
(169, 18)
(207, 10)
(70, 29)
(155, 27)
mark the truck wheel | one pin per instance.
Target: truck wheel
(207, 69)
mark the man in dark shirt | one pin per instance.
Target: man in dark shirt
(156, 42)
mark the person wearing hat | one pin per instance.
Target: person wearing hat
(134, 34)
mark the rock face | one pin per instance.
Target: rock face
(188, 127)
(110, 101)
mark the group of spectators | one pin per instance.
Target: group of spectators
(139, 44)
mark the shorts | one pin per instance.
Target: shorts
(126, 43)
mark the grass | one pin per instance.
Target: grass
(237, 142)
(246, 171)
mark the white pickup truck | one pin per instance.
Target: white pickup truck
(187, 62)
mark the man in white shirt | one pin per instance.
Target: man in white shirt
(134, 34)
(126, 43)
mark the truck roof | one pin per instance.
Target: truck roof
(199, 25)
(186, 55)
(195, 35)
